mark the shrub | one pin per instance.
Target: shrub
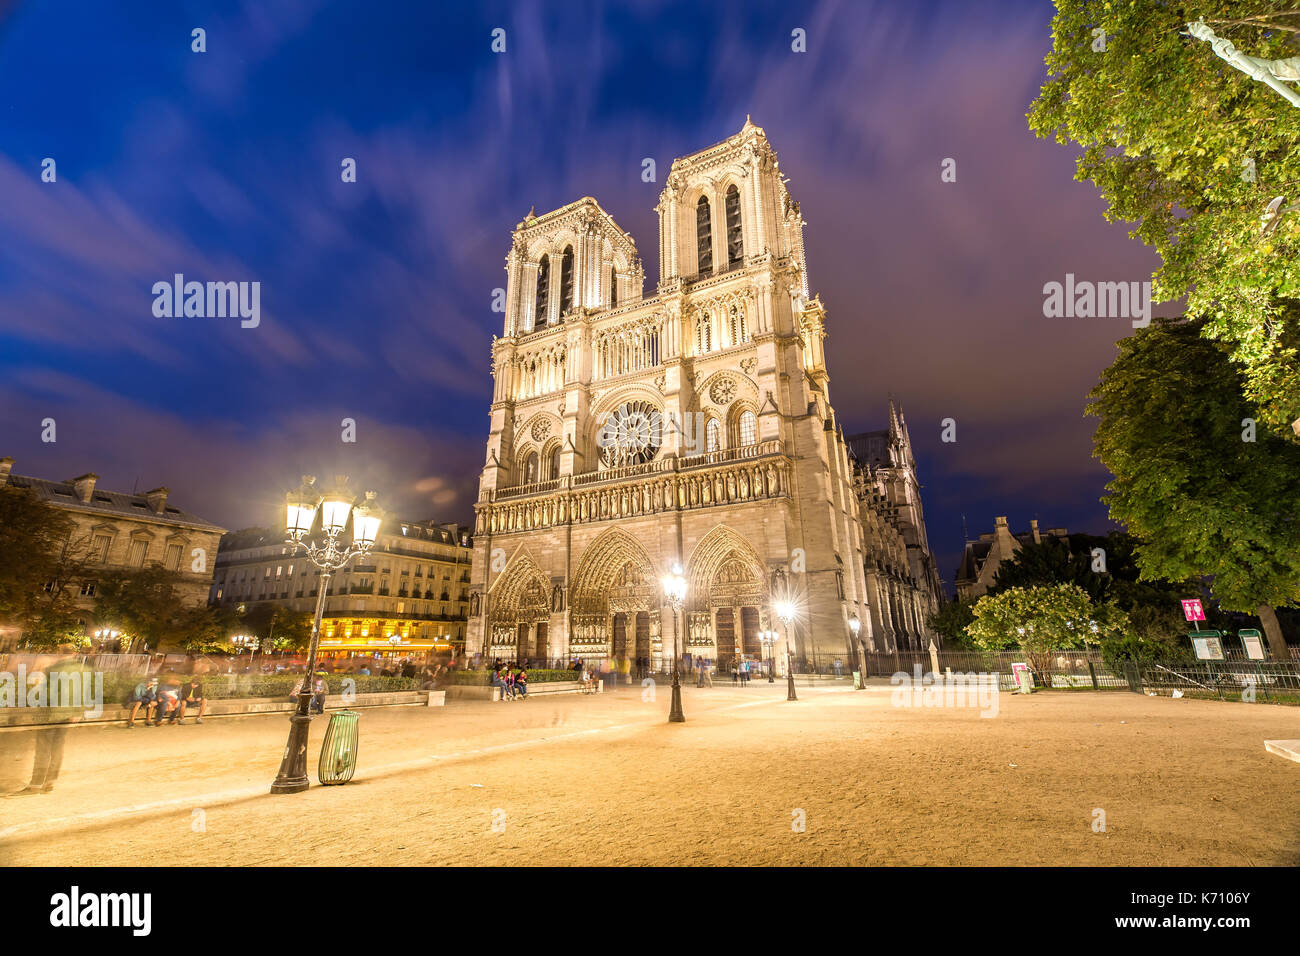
(228, 686)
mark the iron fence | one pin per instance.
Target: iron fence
(1248, 681)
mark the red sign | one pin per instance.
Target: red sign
(1192, 609)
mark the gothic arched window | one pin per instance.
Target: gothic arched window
(748, 427)
(712, 435)
(543, 291)
(704, 236)
(566, 281)
(703, 334)
(613, 288)
(530, 468)
(739, 331)
(555, 463)
(735, 242)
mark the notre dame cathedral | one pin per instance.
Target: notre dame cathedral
(693, 428)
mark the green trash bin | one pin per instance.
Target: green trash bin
(338, 753)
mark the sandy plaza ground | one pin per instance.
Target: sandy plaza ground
(605, 780)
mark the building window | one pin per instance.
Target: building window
(704, 334)
(736, 325)
(704, 237)
(99, 548)
(543, 291)
(555, 462)
(613, 288)
(173, 559)
(530, 468)
(135, 554)
(735, 243)
(88, 590)
(712, 435)
(748, 428)
(566, 281)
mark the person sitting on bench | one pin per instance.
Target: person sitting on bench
(169, 702)
(192, 695)
(145, 695)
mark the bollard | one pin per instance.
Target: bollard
(338, 752)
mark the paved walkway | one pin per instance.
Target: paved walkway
(839, 777)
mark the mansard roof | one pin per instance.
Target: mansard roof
(109, 504)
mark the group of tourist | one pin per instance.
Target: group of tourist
(512, 679)
(166, 701)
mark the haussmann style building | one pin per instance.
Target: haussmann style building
(694, 427)
(407, 597)
(114, 531)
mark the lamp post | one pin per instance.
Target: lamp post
(301, 508)
(854, 626)
(785, 611)
(675, 591)
(768, 640)
(106, 634)
(249, 641)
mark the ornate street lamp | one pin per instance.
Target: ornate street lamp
(675, 591)
(335, 507)
(248, 641)
(768, 639)
(785, 610)
(854, 626)
(106, 634)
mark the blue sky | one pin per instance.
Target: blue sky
(376, 295)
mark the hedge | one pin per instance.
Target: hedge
(534, 676)
(225, 686)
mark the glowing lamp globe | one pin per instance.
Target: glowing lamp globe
(366, 518)
(300, 507)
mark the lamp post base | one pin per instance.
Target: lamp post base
(789, 686)
(675, 715)
(292, 777)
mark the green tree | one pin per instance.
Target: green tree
(951, 620)
(1200, 498)
(1051, 561)
(1191, 150)
(42, 561)
(1043, 619)
(145, 605)
(1153, 606)
(277, 627)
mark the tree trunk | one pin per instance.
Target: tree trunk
(1273, 631)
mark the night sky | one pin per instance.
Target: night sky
(376, 296)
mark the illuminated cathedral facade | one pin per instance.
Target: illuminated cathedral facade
(693, 428)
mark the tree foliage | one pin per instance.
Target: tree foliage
(41, 563)
(1153, 606)
(1192, 150)
(951, 620)
(276, 627)
(145, 605)
(1200, 499)
(1043, 618)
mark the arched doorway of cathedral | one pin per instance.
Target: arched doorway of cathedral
(615, 603)
(727, 598)
(518, 610)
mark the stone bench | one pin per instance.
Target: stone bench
(493, 692)
(231, 706)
